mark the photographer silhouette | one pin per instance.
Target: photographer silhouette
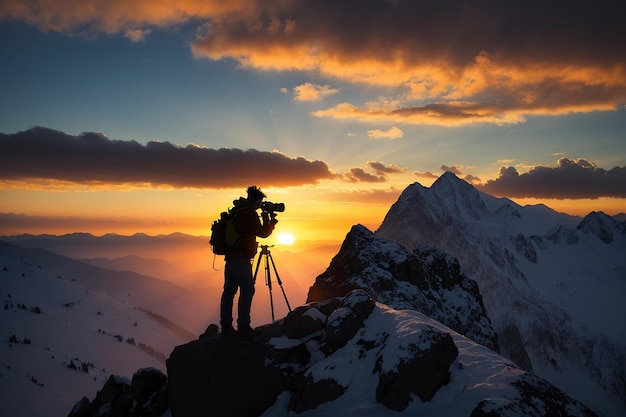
(238, 269)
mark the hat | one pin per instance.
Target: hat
(255, 193)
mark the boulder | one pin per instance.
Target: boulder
(422, 371)
(223, 376)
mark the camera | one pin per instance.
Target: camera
(270, 207)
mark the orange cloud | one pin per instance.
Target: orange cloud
(114, 16)
(312, 92)
(450, 64)
(391, 133)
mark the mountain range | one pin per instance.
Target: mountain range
(518, 307)
(553, 284)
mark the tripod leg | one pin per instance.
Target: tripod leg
(279, 281)
(268, 281)
(256, 270)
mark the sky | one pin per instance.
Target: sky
(129, 116)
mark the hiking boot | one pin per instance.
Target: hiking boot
(210, 331)
(247, 331)
(228, 330)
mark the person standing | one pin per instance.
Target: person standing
(238, 269)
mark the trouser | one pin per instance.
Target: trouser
(237, 275)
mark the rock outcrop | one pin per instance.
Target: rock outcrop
(232, 376)
(426, 279)
(144, 396)
(341, 356)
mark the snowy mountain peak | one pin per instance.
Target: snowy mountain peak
(538, 275)
(454, 192)
(603, 226)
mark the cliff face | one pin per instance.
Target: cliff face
(425, 279)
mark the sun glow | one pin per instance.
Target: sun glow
(286, 239)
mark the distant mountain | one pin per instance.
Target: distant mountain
(186, 261)
(553, 285)
(184, 251)
(347, 354)
(404, 321)
(157, 268)
(65, 327)
(183, 259)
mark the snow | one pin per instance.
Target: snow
(573, 293)
(315, 314)
(563, 286)
(77, 325)
(476, 374)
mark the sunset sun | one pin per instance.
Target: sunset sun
(286, 239)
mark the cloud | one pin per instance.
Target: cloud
(570, 179)
(490, 69)
(472, 179)
(455, 169)
(312, 92)
(359, 175)
(425, 174)
(391, 133)
(381, 168)
(137, 35)
(450, 63)
(380, 175)
(92, 158)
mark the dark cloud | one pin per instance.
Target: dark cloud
(570, 179)
(359, 175)
(42, 153)
(472, 179)
(455, 169)
(381, 168)
(450, 31)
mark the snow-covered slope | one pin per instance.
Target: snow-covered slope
(353, 356)
(65, 327)
(553, 285)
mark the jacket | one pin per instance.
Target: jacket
(249, 227)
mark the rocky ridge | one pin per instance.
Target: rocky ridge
(425, 279)
(348, 352)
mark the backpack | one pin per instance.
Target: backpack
(224, 236)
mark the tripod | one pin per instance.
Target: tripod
(265, 253)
